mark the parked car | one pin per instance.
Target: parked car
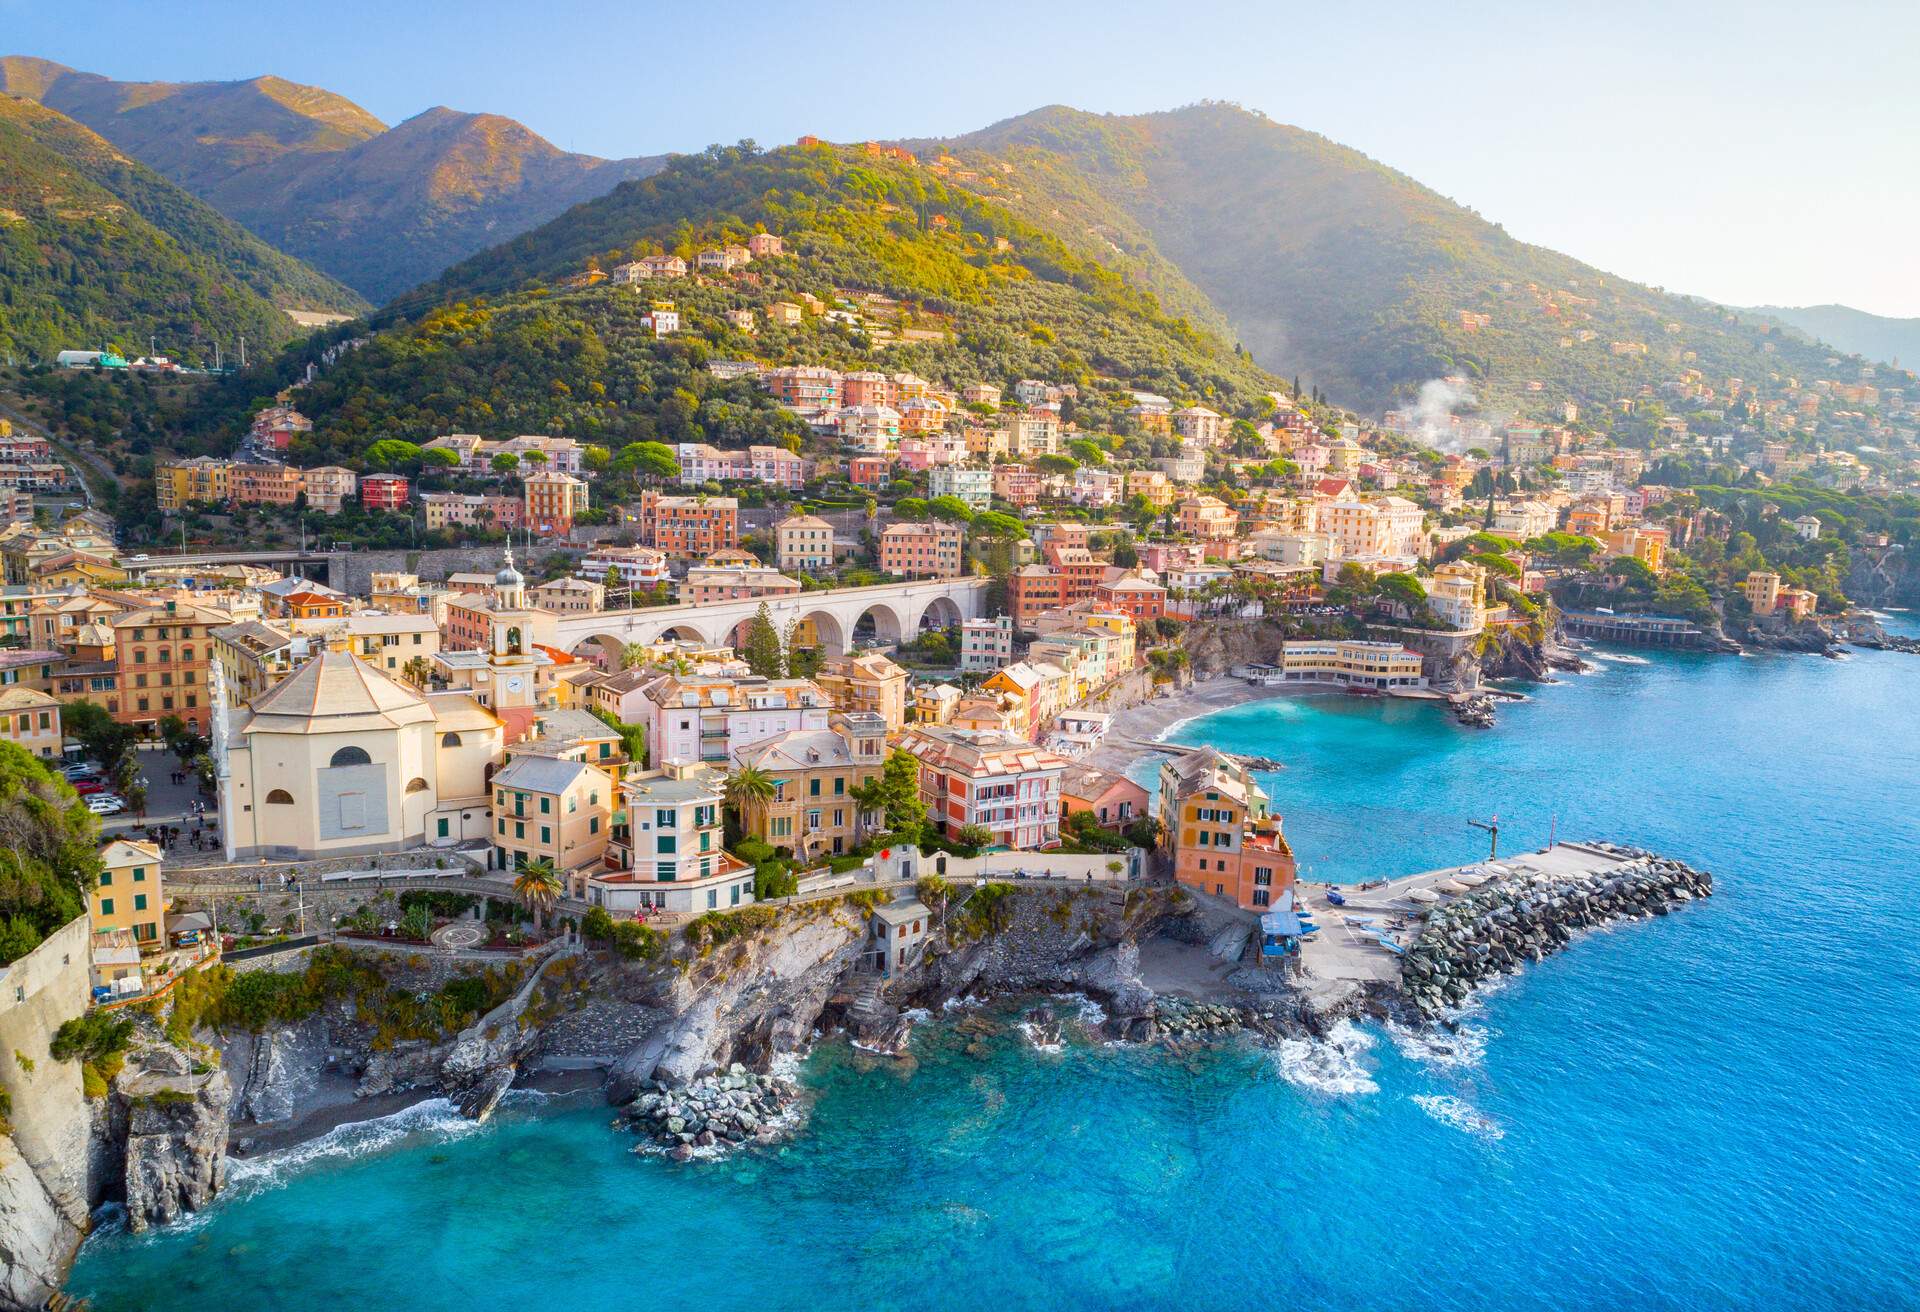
(86, 786)
(79, 770)
(106, 804)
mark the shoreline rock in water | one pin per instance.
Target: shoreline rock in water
(714, 1114)
(1529, 916)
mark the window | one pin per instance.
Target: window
(139, 875)
(139, 901)
(106, 906)
(666, 844)
(546, 834)
(449, 740)
(664, 871)
(519, 829)
(106, 878)
(443, 833)
(279, 797)
(503, 826)
(416, 785)
(713, 897)
(813, 788)
(546, 806)
(593, 825)
(349, 756)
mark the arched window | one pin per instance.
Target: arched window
(513, 642)
(279, 797)
(350, 756)
(449, 740)
(416, 785)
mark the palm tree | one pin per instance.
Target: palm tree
(634, 653)
(747, 785)
(537, 885)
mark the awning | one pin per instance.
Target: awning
(1282, 924)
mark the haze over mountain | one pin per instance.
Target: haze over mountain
(379, 208)
(1877, 337)
(99, 250)
(1333, 266)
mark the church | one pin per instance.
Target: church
(338, 759)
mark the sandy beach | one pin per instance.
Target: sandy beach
(1147, 721)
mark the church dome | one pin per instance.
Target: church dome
(509, 577)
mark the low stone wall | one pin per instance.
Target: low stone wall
(1526, 917)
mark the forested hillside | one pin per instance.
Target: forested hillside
(511, 341)
(97, 250)
(319, 177)
(1333, 266)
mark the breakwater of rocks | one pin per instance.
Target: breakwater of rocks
(712, 1115)
(1528, 915)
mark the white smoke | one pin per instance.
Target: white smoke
(1430, 421)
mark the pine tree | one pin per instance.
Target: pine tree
(761, 650)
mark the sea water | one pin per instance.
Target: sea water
(1716, 1109)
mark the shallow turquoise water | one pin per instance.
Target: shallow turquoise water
(1719, 1109)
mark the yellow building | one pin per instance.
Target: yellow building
(812, 812)
(178, 483)
(866, 681)
(551, 808)
(1768, 596)
(129, 905)
(1381, 665)
(30, 719)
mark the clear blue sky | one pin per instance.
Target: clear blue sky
(1761, 152)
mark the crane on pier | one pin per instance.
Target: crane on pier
(1492, 825)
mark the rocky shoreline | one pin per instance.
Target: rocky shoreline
(1521, 918)
(714, 1114)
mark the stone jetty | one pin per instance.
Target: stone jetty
(1528, 913)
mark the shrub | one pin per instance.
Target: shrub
(714, 928)
(638, 942)
(597, 925)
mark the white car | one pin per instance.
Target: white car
(106, 804)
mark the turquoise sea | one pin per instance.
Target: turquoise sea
(1719, 1109)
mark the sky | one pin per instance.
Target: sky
(1756, 153)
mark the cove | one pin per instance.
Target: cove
(1719, 1109)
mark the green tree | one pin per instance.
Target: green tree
(537, 885)
(48, 863)
(951, 509)
(910, 508)
(438, 457)
(761, 651)
(746, 786)
(392, 453)
(633, 654)
(896, 792)
(505, 462)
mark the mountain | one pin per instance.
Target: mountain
(313, 173)
(531, 336)
(96, 250)
(1332, 266)
(1895, 341)
(398, 208)
(199, 134)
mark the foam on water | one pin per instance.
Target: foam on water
(1460, 1114)
(1088, 1012)
(1465, 1046)
(1618, 658)
(1330, 1065)
(437, 1118)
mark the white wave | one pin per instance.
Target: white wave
(1031, 1032)
(1464, 1047)
(1460, 1114)
(436, 1117)
(785, 1066)
(1090, 1013)
(1331, 1064)
(917, 1015)
(1619, 658)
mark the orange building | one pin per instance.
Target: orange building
(161, 658)
(1216, 826)
(554, 500)
(929, 550)
(689, 528)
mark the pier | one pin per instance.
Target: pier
(1633, 630)
(1343, 958)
